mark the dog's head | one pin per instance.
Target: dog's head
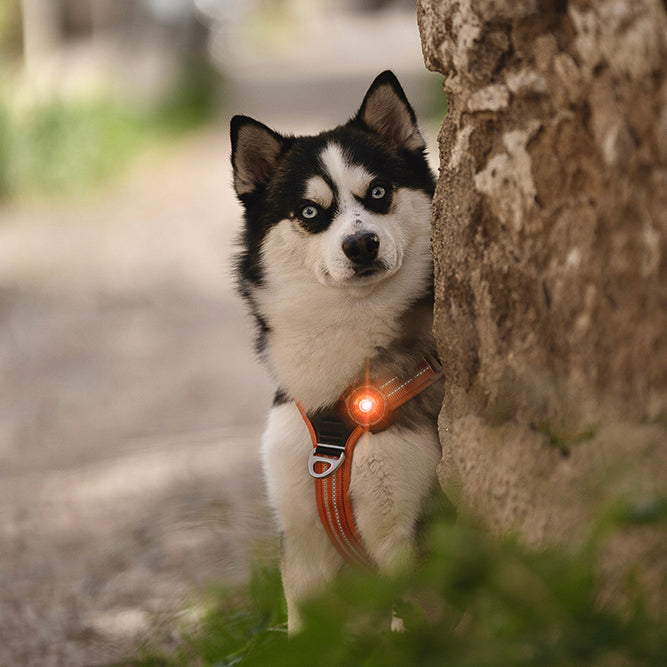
(343, 209)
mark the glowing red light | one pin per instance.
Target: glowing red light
(366, 404)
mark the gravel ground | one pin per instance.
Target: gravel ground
(130, 410)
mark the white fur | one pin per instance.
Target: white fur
(331, 265)
(324, 324)
(331, 326)
(309, 559)
(391, 474)
(318, 191)
(349, 178)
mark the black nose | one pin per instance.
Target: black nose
(361, 248)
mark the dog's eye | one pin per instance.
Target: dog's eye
(309, 212)
(378, 192)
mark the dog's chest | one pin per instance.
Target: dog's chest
(391, 473)
(316, 356)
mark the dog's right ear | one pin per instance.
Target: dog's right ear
(255, 152)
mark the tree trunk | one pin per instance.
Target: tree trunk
(549, 239)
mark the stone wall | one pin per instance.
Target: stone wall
(549, 239)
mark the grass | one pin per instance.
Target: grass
(61, 147)
(482, 602)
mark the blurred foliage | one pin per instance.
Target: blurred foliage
(11, 36)
(474, 601)
(435, 99)
(62, 146)
(5, 150)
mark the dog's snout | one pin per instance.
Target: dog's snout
(361, 248)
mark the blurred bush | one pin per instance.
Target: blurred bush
(5, 150)
(11, 37)
(65, 145)
(474, 601)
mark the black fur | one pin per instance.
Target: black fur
(281, 397)
(282, 194)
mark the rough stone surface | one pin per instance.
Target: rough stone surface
(549, 238)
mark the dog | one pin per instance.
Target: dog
(336, 269)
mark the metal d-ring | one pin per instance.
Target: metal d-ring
(333, 464)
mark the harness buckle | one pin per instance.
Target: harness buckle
(333, 463)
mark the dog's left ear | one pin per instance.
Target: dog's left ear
(387, 112)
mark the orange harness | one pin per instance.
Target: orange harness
(364, 408)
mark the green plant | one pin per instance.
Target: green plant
(63, 146)
(473, 601)
(5, 149)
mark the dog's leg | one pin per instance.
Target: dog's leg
(394, 474)
(308, 559)
(307, 565)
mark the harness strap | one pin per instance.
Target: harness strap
(335, 434)
(335, 509)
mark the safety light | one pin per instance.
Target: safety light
(366, 406)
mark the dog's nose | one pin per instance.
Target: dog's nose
(361, 248)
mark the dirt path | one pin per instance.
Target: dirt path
(128, 445)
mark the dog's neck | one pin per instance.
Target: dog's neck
(320, 340)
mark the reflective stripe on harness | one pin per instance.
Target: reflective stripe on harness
(334, 433)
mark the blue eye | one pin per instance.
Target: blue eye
(378, 192)
(309, 212)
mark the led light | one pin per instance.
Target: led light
(366, 405)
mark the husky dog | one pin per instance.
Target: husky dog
(336, 268)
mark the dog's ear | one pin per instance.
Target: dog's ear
(387, 112)
(255, 152)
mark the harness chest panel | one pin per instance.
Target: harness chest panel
(365, 408)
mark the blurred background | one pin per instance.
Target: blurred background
(131, 404)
